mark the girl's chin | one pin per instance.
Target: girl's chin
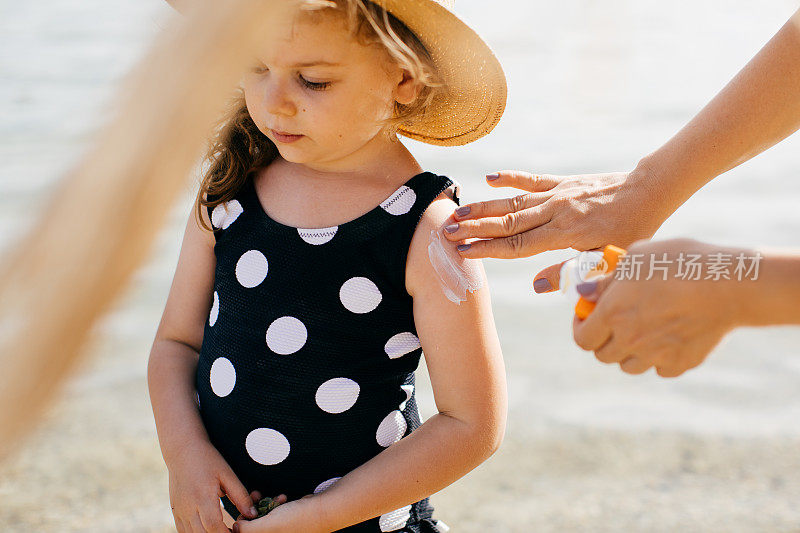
(294, 156)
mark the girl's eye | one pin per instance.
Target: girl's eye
(260, 69)
(314, 85)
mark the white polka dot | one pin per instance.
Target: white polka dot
(251, 268)
(409, 390)
(267, 446)
(225, 213)
(391, 429)
(212, 316)
(337, 395)
(395, 520)
(286, 335)
(360, 295)
(400, 202)
(318, 235)
(326, 484)
(223, 377)
(401, 344)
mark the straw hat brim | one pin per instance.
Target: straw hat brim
(476, 90)
(476, 84)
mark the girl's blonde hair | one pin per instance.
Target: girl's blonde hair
(238, 147)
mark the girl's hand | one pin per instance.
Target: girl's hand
(671, 324)
(198, 478)
(581, 212)
(292, 517)
(257, 497)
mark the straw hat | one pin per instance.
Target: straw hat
(476, 84)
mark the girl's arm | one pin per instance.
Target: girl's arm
(198, 474)
(174, 354)
(465, 363)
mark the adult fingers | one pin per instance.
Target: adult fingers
(613, 351)
(523, 180)
(592, 290)
(549, 279)
(669, 371)
(506, 225)
(634, 365)
(592, 332)
(519, 245)
(237, 494)
(501, 206)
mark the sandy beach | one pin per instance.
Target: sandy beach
(587, 447)
(94, 465)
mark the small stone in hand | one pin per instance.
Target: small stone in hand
(265, 505)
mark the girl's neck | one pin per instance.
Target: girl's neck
(314, 196)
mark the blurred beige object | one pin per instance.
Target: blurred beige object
(99, 224)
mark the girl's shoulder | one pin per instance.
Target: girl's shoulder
(428, 244)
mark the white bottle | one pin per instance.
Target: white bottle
(586, 266)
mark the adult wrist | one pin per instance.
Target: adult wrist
(734, 301)
(666, 184)
(770, 298)
(654, 194)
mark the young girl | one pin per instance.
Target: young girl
(299, 321)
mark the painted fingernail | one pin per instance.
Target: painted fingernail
(587, 288)
(462, 247)
(451, 228)
(492, 177)
(253, 512)
(542, 285)
(463, 211)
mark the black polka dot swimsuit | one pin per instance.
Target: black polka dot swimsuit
(307, 365)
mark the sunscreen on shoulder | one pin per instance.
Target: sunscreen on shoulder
(457, 275)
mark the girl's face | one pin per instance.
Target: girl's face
(319, 95)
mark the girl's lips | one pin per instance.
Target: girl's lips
(285, 138)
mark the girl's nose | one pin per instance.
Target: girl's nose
(277, 100)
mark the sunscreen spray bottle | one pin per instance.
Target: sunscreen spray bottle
(587, 266)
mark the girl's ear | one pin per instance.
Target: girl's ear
(407, 90)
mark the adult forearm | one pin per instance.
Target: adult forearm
(441, 451)
(758, 108)
(170, 379)
(773, 297)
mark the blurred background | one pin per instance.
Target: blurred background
(593, 87)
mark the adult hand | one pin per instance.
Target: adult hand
(665, 322)
(581, 212)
